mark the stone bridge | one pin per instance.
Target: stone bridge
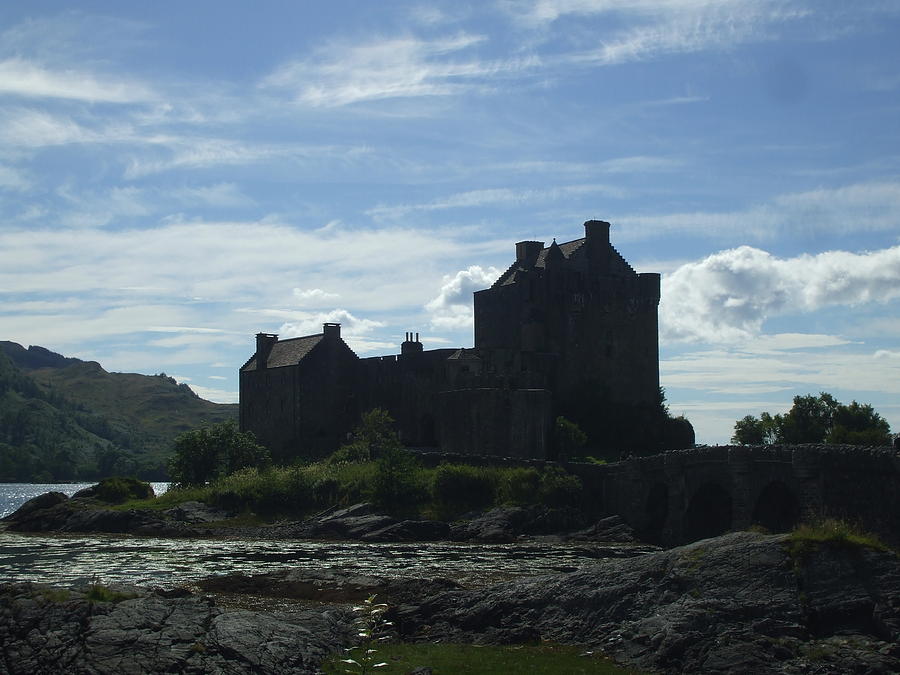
(686, 495)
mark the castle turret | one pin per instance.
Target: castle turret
(528, 251)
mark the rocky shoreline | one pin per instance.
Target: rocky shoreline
(743, 602)
(739, 603)
(83, 513)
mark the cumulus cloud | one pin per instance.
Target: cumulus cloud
(310, 324)
(452, 308)
(728, 296)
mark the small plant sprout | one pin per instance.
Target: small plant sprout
(370, 629)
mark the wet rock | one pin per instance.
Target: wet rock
(736, 603)
(498, 526)
(51, 630)
(611, 529)
(196, 512)
(410, 530)
(43, 502)
(329, 585)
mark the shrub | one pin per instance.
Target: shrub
(520, 486)
(397, 486)
(457, 488)
(560, 489)
(117, 490)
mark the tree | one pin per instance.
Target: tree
(213, 451)
(859, 424)
(815, 419)
(754, 431)
(569, 438)
(372, 436)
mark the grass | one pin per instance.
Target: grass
(444, 492)
(810, 537)
(458, 659)
(100, 593)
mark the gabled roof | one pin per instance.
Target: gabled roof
(287, 352)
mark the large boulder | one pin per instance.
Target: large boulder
(737, 603)
(43, 502)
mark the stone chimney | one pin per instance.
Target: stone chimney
(411, 344)
(264, 344)
(331, 330)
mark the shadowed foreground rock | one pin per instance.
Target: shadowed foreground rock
(47, 630)
(734, 604)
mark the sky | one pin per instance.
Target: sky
(176, 177)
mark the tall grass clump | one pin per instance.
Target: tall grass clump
(458, 488)
(809, 537)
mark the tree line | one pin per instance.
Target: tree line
(815, 419)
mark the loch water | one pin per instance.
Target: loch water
(70, 559)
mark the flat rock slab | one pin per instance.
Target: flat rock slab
(329, 585)
(51, 630)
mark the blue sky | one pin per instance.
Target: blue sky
(178, 176)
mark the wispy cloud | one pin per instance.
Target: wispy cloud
(402, 67)
(496, 197)
(860, 207)
(32, 80)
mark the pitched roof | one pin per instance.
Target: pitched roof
(287, 352)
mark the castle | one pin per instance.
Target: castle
(567, 330)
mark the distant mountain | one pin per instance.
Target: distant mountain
(64, 419)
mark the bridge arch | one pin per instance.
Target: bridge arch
(708, 513)
(776, 508)
(656, 513)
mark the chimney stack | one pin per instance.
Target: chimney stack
(264, 344)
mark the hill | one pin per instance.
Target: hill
(65, 419)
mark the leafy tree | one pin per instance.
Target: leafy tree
(815, 419)
(754, 431)
(859, 424)
(373, 435)
(569, 437)
(214, 451)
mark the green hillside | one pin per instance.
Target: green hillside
(65, 419)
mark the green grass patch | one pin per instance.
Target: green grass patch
(56, 594)
(456, 659)
(810, 537)
(100, 593)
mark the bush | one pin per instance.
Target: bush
(117, 490)
(398, 487)
(457, 488)
(214, 451)
(520, 486)
(560, 489)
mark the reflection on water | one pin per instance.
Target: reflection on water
(169, 562)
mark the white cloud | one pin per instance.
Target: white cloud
(342, 74)
(311, 324)
(886, 354)
(220, 194)
(314, 296)
(728, 296)
(12, 179)
(25, 78)
(496, 196)
(452, 308)
(215, 395)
